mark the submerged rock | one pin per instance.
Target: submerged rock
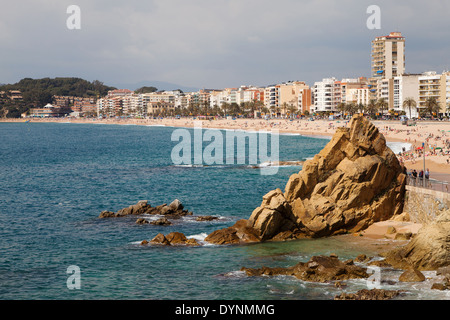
(355, 181)
(161, 222)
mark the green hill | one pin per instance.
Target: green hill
(39, 92)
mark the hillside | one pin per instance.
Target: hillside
(39, 92)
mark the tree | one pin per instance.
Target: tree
(146, 90)
(372, 107)
(292, 110)
(432, 106)
(341, 107)
(409, 103)
(382, 105)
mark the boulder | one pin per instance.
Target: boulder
(412, 275)
(176, 238)
(428, 250)
(141, 221)
(160, 239)
(107, 214)
(355, 181)
(173, 238)
(138, 209)
(161, 222)
(240, 232)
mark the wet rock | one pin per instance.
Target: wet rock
(412, 275)
(318, 269)
(141, 221)
(160, 239)
(365, 294)
(439, 286)
(240, 232)
(206, 218)
(176, 238)
(107, 214)
(161, 222)
(173, 210)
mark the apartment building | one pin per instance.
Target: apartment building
(387, 62)
(294, 93)
(327, 95)
(354, 90)
(433, 85)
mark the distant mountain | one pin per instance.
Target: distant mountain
(161, 85)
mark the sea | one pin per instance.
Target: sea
(56, 178)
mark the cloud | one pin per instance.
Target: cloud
(216, 43)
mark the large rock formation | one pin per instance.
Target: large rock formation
(428, 250)
(354, 181)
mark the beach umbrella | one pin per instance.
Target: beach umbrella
(419, 148)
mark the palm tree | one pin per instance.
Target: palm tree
(448, 109)
(409, 103)
(382, 105)
(361, 107)
(372, 107)
(292, 109)
(225, 107)
(432, 106)
(341, 108)
(352, 108)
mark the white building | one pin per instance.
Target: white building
(327, 95)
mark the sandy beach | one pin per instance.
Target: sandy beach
(435, 134)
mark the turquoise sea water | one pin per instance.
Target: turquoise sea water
(55, 179)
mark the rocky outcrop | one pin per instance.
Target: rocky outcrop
(172, 239)
(428, 250)
(355, 181)
(317, 269)
(175, 209)
(240, 232)
(365, 294)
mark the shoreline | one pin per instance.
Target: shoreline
(436, 134)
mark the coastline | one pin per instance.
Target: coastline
(436, 134)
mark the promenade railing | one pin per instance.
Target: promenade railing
(432, 184)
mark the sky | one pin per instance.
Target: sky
(213, 43)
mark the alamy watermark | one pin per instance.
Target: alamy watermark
(74, 280)
(73, 22)
(374, 20)
(228, 150)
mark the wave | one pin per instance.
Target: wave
(397, 147)
(278, 164)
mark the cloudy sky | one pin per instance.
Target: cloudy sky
(214, 43)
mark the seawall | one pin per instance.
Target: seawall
(423, 205)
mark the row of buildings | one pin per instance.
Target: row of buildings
(388, 81)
